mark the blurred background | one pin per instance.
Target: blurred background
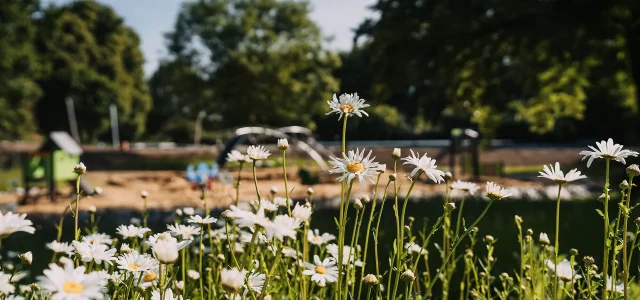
(152, 95)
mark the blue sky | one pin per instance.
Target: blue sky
(152, 18)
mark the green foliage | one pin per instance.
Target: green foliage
(89, 54)
(251, 62)
(18, 68)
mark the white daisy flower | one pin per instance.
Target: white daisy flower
(415, 248)
(347, 104)
(168, 295)
(314, 237)
(61, 247)
(257, 152)
(612, 287)
(425, 164)
(68, 282)
(348, 255)
(10, 223)
(322, 271)
(124, 248)
(165, 247)
(94, 252)
(232, 280)
(495, 192)
(237, 156)
(289, 252)
(132, 231)
(282, 226)
(302, 212)
(256, 282)
(266, 205)
(246, 237)
(564, 270)
(555, 174)
(99, 238)
(135, 262)
(355, 164)
(247, 219)
(464, 186)
(608, 150)
(193, 274)
(183, 231)
(281, 201)
(189, 211)
(202, 221)
(283, 144)
(6, 286)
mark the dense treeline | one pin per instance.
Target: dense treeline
(542, 70)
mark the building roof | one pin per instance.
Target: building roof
(65, 142)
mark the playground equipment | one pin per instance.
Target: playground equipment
(202, 174)
(465, 140)
(53, 163)
(291, 133)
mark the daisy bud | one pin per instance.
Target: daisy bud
(193, 274)
(370, 279)
(573, 251)
(393, 177)
(27, 257)
(283, 144)
(449, 207)
(80, 169)
(603, 197)
(358, 204)
(179, 285)
(518, 219)
(407, 276)
(35, 286)
(593, 273)
(406, 227)
(98, 191)
(469, 254)
(274, 190)
(396, 153)
(544, 239)
(179, 212)
(220, 257)
(144, 194)
(448, 176)
(638, 220)
(595, 267)
(267, 297)
(92, 209)
(227, 215)
(624, 185)
(411, 219)
(9, 267)
(310, 191)
(529, 232)
(504, 276)
(365, 199)
(633, 170)
(588, 260)
(135, 221)
(189, 211)
(124, 248)
(382, 168)
(489, 239)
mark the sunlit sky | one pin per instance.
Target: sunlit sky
(152, 18)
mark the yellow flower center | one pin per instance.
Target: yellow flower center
(149, 277)
(134, 267)
(316, 239)
(355, 167)
(72, 287)
(346, 108)
(321, 270)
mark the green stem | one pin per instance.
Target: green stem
(605, 260)
(238, 183)
(200, 251)
(375, 236)
(458, 240)
(401, 237)
(255, 180)
(625, 274)
(555, 249)
(76, 233)
(341, 224)
(366, 239)
(270, 274)
(286, 187)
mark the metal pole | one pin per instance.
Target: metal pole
(73, 124)
(115, 133)
(198, 132)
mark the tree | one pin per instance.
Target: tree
(556, 66)
(262, 62)
(91, 56)
(18, 68)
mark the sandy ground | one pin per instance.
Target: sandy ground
(168, 190)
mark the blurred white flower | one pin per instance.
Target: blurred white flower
(232, 279)
(355, 164)
(283, 144)
(193, 274)
(544, 239)
(281, 227)
(6, 286)
(237, 156)
(99, 238)
(61, 247)
(132, 231)
(256, 281)
(301, 212)
(465, 186)
(281, 201)
(426, 164)
(415, 248)
(315, 238)
(165, 247)
(94, 252)
(135, 262)
(27, 257)
(321, 271)
(564, 271)
(10, 223)
(68, 282)
(608, 150)
(202, 221)
(257, 152)
(168, 295)
(348, 255)
(347, 105)
(183, 231)
(555, 174)
(247, 219)
(612, 287)
(189, 211)
(267, 205)
(495, 192)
